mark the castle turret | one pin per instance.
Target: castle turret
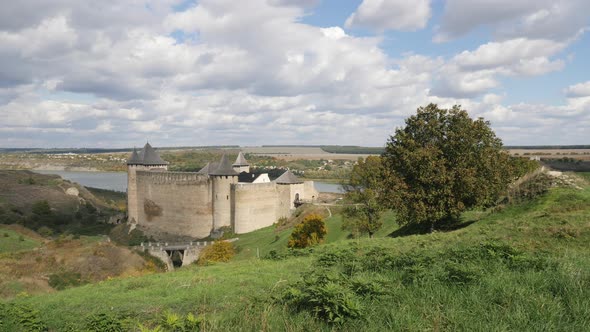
(291, 189)
(223, 177)
(241, 164)
(146, 160)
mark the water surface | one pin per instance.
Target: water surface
(118, 180)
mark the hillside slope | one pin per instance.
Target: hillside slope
(526, 267)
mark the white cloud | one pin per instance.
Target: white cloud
(506, 53)
(381, 15)
(224, 71)
(472, 73)
(578, 90)
(508, 19)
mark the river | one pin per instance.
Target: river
(118, 180)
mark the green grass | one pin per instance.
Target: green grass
(259, 243)
(585, 175)
(526, 267)
(11, 241)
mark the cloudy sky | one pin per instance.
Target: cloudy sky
(115, 73)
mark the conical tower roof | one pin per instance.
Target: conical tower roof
(205, 169)
(134, 158)
(149, 156)
(224, 168)
(288, 178)
(241, 160)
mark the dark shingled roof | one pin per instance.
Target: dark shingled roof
(224, 168)
(134, 158)
(288, 178)
(205, 170)
(241, 160)
(147, 156)
(151, 157)
(247, 177)
(210, 167)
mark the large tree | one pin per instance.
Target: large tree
(362, 215)
(442, 163)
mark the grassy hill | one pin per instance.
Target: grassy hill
(523, 267)
(57, 205)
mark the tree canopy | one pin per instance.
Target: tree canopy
(363, 214)
(442, 163)
(309, 232)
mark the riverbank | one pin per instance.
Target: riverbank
(117, 181)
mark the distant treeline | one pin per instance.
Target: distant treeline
(351, 149)
(104, 150)
(547, 147)
(291, 146)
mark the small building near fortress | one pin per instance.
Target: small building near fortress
(168, 205)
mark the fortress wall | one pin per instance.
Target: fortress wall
(222, 204)
(284, 202)
(296, 189)
(310, 193)
(255, 206)
(132, 213)
(175, 203)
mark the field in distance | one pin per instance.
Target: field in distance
(301, 152)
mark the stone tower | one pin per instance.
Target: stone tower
(241, 164)
(223, 177)
(146, 160)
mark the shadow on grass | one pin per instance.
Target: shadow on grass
(414, 229)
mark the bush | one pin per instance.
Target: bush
(175, 322)
(325, 295)
(64, 280)
(103, 323)
(20, 318)
(41, 208)
(219, 251)
(528, 188)
(310, 231)
(45, 231)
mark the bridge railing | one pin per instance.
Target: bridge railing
(148, 245)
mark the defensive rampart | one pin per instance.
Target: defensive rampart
(174, 203)
(255, 206)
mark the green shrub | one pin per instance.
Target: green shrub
(219, 251)
(177, 323)
(66, 279)
(103, 322)
(325, 295)
(29, 181)
(45, 231)
(121, 235)
(332, 258)
(459, 274)
(20, 318)
(41, 208)
(528, 187)
(275, 255)
(309, 232)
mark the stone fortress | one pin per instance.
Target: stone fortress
(195, 205)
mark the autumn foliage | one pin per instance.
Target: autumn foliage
(310, 231)
(219, 251)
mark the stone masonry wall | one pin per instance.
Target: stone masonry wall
(309, 192)
(222, 207)
(283, 200)
(175, 203)
(255, 206)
